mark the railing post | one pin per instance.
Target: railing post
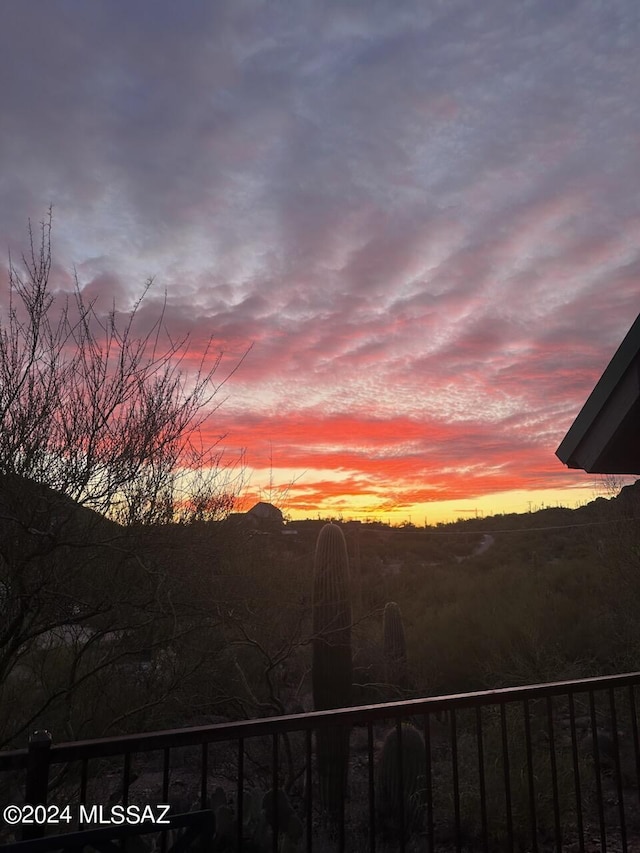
(37, 783)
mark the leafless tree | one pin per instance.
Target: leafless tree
(107, 418)
(100, 437)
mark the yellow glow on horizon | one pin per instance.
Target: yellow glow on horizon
(371, 507)
(442, 512)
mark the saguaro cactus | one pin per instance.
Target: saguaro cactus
(332, 664)
(395, 646)
(258, 822)
(408, 789)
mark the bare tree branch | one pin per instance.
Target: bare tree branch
(101, 436)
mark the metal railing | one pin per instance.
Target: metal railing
(541, 767)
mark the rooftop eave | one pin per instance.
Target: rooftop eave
(605, 436)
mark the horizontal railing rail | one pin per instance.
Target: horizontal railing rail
(537, 761)
(357, 715)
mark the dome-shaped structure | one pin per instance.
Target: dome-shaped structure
(264, 514)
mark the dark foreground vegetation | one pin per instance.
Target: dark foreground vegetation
(151, 626)
(232, 637)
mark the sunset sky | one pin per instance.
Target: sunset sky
(422, 217)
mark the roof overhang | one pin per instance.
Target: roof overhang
(605, 436)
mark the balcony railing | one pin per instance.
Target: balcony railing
(544, 767)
